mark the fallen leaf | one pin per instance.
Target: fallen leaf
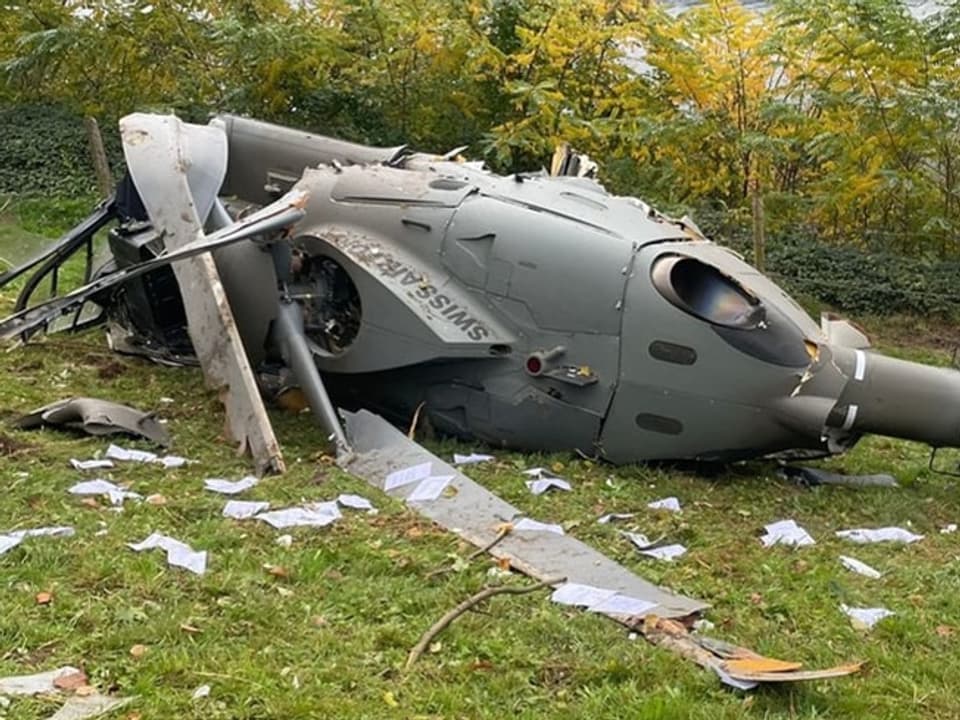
(135, 716)
(190, 629)
(284, 592)
(156, 499)
(481, 665)
(390, 699)
(318, 620)
(756, 598)
(44, 598)
(414, 532)
(71, 681)
(90, 503)
(85, 690)
(557, 467)
(277, 571)
(503, 563)
(435, 647)
(944, 630)
(138, 651)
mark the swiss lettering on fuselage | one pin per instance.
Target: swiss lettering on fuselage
(429, 295)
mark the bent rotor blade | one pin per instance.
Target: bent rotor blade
(285, 212)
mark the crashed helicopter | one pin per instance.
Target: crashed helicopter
(529, 311)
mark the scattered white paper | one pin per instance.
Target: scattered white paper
(541, 473)
(430, 489)
(244, 509)
(228, 487)
(58, 531)
(172, 461)
(733, 682)
(471, 459)
(580, 595)
(85, 707)
(948, 529)
(34, 684)
(859, 567)
(284, 540)
(90, 464)
(538, 487)
(355, 502)
(315, 515)
(528, 525)
(113, 491)
(670, 503)
(201, 692)
(115, 452)
(786, 532)
(665, 552)
(610, 517)
(639, 539)
(866, 618)
(178, 554)
(12, 538)
(618, 604)
(413, 474)
(875, 535)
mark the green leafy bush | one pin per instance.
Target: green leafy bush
(44, 151)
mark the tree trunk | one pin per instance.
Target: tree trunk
(99, 156)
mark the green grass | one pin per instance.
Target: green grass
(329, 639)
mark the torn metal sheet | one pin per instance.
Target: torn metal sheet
(178, 169)
(592, 580)
(474, 513)
(816, 476)
(97, 417)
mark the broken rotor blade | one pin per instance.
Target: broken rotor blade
(285, 212)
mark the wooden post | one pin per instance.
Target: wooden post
(759, 224)
(99, 156)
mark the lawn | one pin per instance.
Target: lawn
(321, 628)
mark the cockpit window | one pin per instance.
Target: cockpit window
(703, 291)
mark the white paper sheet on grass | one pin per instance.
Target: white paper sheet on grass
(639, 539)
(610, 517)
(471, 459)
(665, 552)
(244, 509)
(538, 487)
(618, 604)
(355, 502)
(229, 487)
(172, 461)
(115, 452)
(90, 464)
(406, 476)
(113, 491)
(859, 567)
(863, 536)
(866, 617)
(670, 503)
(178, 554)
(786, 532)
(312, 515)
(12, 538)
(430, 488)
(528, 525)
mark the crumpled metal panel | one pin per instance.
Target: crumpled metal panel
(97, 417)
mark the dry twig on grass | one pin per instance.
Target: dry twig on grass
(441, 624)
(504, 531)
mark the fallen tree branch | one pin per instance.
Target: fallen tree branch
(416, 419)
(460, 609)
(504, 531)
